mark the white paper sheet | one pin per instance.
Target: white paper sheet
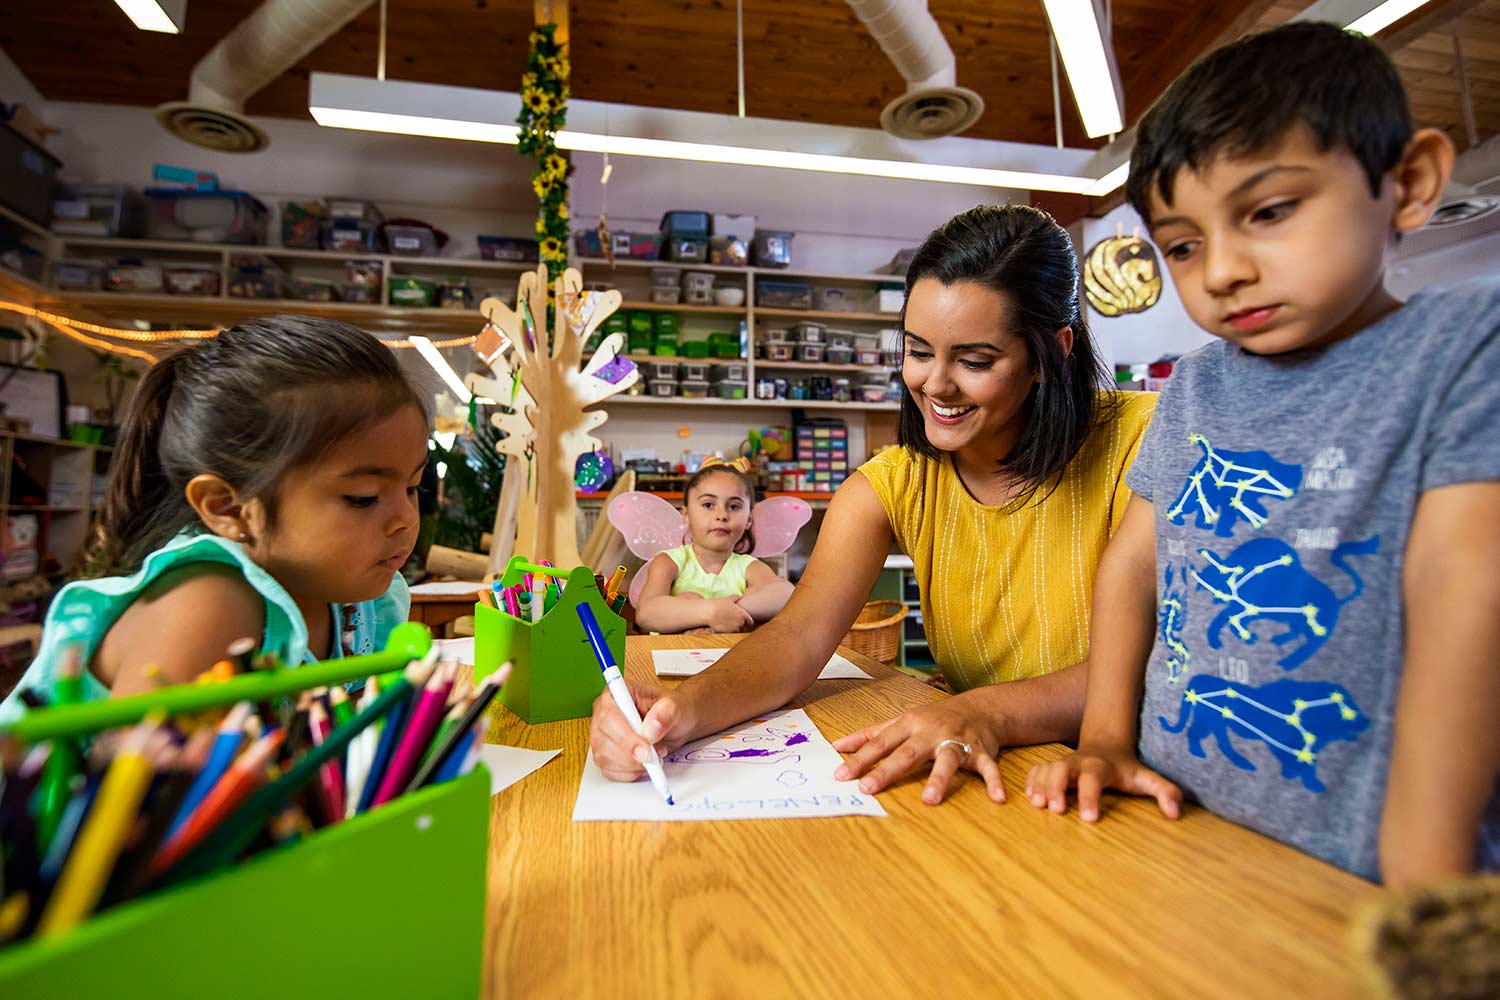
(461, 650)
(687, 662)
(453, 588)
(775, 767)
(509, 765)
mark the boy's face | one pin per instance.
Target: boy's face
(1281, 249)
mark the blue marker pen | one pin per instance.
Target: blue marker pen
(616, 684)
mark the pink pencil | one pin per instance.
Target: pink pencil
(425, 718)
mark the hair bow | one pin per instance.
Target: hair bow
(740, 465)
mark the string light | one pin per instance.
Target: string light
(75, 329)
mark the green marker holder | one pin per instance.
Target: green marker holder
(554, 674)
(390, 903)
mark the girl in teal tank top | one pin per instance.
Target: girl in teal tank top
(264, 485)
(712, 584)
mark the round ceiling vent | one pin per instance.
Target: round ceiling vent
(211, 128)
(932, 112)
(1461, 210)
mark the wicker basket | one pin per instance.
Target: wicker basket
(877, 631)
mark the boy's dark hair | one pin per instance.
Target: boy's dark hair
(1245, 95)
(747, 541)
(1025, 256)
(260, 399)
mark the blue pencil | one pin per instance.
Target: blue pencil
(453, 766)
(389, 737)
(225, 748)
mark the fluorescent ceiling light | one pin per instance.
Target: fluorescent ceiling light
(1384, 15)
(443, 368)
(156, 15)
(1090, 64)
(339, 101)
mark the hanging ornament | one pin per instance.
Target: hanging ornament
(593, 471)
(1121, 274)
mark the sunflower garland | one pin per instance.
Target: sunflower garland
(544, 110)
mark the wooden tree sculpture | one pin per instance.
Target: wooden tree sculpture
(540, 379)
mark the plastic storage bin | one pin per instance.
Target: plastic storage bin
(666, 277)
(779, 352)
(783, 295)
(206, 216)
(832, 300)
(98, 210)
(695, 280)
(665, 295)
(661, 387)
(731, 371)
(78, 274)
(773, 248)
(28, 176)
(660, 369)
(808, 333)
(128, 277)
(351, 235)
(254, 286)
(838, 355)
(411, 241)
(810, 352)
(777, 335)
(839, 338)
(686, 225)
(314, 290)
(695, 371)
(302, 224)
(416, 292)
(725, 389)
(520, 251)
(354, 208)
(698, 296)
(190, 281)
(693, 388)
(686, 251)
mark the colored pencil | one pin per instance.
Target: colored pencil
(173, 779)
(244, 776)
(330, 775)
(239, 830)
(103, 835)
(226, 747)
(425, 716)
(408, 641)
(339, 706)
(361, 752)
(443, 748)
(66, 757)
(391, 735)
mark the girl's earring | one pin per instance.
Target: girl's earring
(244, 536)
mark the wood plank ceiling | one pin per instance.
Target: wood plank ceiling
(808, 60)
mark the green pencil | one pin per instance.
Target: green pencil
(408, 641)
(66, 756)
(239, 829)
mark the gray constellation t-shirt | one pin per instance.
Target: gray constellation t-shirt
(1284, 489)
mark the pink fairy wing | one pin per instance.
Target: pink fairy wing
(647, 522)
(776, 522)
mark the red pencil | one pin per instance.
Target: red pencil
(331, 774)
(244, 776)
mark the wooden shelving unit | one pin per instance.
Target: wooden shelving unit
(60, 473)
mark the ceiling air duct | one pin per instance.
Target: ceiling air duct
(273, 39)
(933, 104)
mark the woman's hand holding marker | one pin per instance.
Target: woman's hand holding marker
(938, 733)
(618, 750)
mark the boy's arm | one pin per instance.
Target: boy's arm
(659, 611)
(767, 593)
(1445, 754)
(1120, 638)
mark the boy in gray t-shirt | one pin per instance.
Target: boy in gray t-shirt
(1298, 622)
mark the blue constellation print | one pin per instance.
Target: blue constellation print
(1295, 719)
(1226, 487)
(1263, 580)
(1171, 618)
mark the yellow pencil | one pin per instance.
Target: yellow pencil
(103, 835)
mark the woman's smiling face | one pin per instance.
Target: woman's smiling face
(967, 372)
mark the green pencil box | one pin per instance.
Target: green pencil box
(554, 674)
(391, 903)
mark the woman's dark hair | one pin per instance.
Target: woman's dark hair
(747, 541)
(1022, 254)
(260, 399)
(1246, 95)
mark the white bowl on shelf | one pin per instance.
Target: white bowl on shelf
(729, 296)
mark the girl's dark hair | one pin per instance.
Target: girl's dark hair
(747, 541)
(1026, 257)
(260, 399)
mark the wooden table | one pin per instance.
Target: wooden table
(967, 898)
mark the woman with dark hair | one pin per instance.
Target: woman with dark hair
(1008, 483)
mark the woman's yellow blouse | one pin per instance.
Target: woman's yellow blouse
(1006, 592)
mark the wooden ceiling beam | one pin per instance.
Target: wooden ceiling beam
(1425, 19)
